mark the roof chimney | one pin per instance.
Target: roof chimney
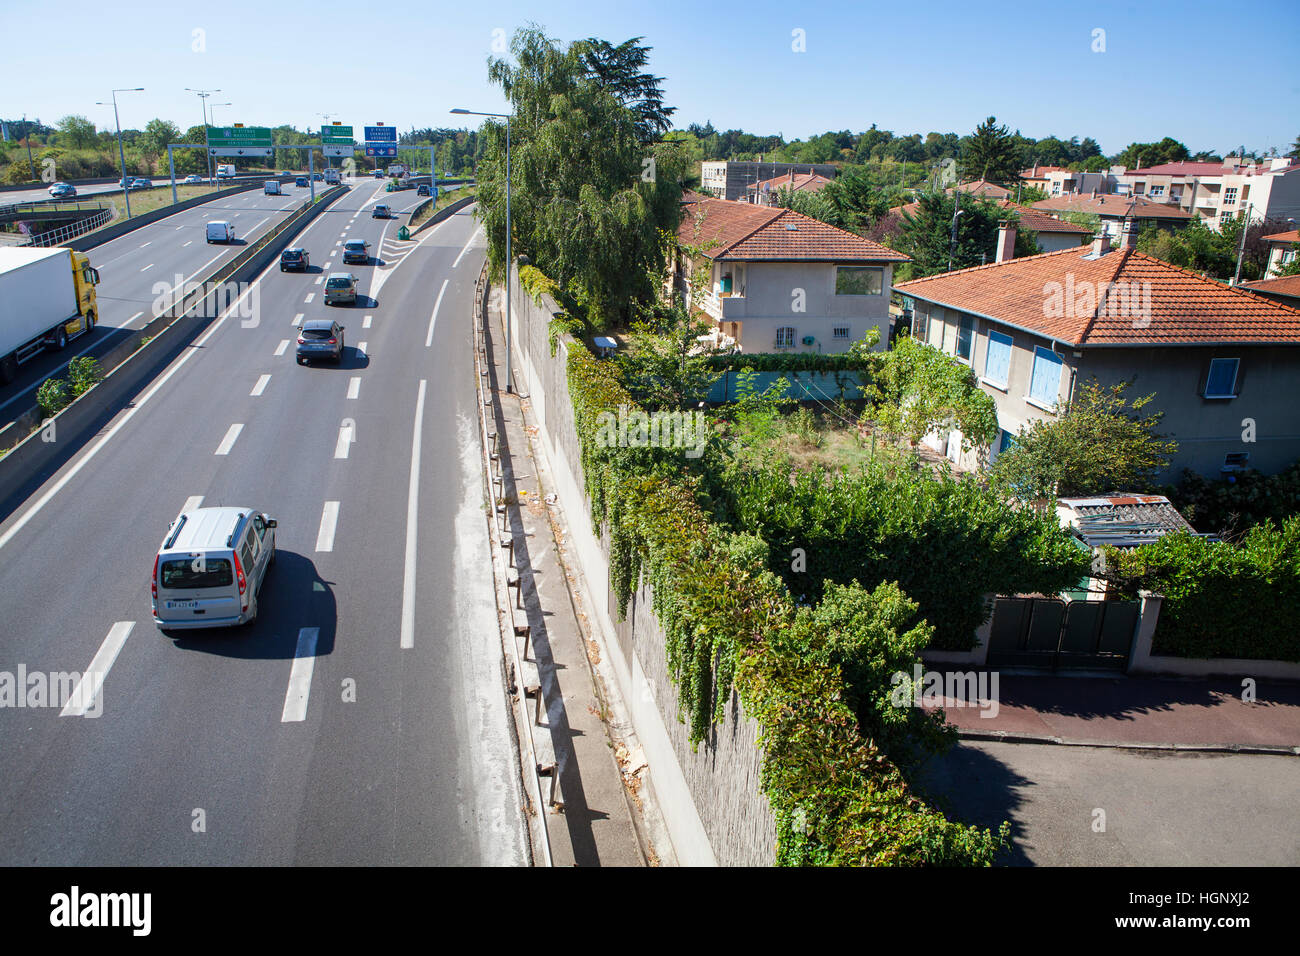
(1006, 241)
(1100, 245)
(1128, 238)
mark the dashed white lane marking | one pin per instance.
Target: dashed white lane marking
(339, 243)
(361, 349)
(228, 442)
(329, 520)
(86, 692)
(149, 266)
(344, 442)
(428, 339)
(320, 279)
(354, 387)
(282, 347)
(365, 323)
(183, 245)
(192, 502)
(299, 690)
(297, 319)
(310, 296)
(262, 382)
(150, 242)
(412, 524)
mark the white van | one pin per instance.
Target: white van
(271, 188)
(210, 567)
(331, 177)
(226, 171)
(220, 231)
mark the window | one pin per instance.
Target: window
(1222, 380)
(840, 332)
(1235, 460)
(785, 338)
(1225, 216)
(1230, 196)
(1045, 382)
(191, 573)
(1156, 192)
(1287, 256)
(1139, 188)
(859, 280)
(997, 359)
(965, 336)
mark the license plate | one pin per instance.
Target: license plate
(181, 605)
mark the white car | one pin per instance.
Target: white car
(191, 178)
(220, 231)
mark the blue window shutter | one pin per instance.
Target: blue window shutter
(1222, 379)
(997, 360)
(1045, 385)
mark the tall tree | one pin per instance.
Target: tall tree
(157, 134)
(589, 204)
(926, 234)
(990, 153)
(1168, 150)
(77, 132)
(621, 71)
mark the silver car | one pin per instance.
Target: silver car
(320, 339)
(341, 287)
(210, 567)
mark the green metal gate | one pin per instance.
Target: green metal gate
(1062, 635)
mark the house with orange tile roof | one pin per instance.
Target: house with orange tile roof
(1052, 233)
(1114, 210)
(983, 188)
(778, 281)
(1223, 362)
(1219, 192)
(1284, 289)
(1281, 250)
(765, 193)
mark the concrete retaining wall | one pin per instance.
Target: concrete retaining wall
(119, 229)
(711, 797)
(30, 462)
(1142, 661)
(441, 214)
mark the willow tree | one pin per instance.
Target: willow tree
(592, 206)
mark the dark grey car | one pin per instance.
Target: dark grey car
(319, 339)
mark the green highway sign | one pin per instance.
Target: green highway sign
(336, 135)
(238, 136)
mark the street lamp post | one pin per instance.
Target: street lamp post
(203, 98)
(121, 153)
(952, 242)
(506, 117)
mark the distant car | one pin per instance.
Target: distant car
(356, 251)
(296, 259)
(320, 338)
(271, 188)
(62, 191)
(381, 211)
(423, 191)
(317, 176)
(341, 287)
(379, 174)
(301, 181)
(286, 173)
(191, 179)
(142, 183)
(128, 183)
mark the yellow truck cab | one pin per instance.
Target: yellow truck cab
(49, 298)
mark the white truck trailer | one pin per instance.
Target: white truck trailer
(47, 297)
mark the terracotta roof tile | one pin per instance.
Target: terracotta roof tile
(1286, 285)
(1112, 205)
(1292, 236)
(1185, 308)
(799, 182)
(743, 231)
(1035, 219)
(981, 187)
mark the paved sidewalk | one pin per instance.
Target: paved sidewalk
(596, 826)
(1126, 711)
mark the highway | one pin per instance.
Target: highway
(138, 268)
(362, 719)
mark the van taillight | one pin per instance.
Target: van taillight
(153, 582)
(239, 573)
(333, 341)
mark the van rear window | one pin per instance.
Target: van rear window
(193, 573)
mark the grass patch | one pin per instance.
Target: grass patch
(445, 199)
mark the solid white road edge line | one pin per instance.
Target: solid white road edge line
(428, 339)
(412, 524)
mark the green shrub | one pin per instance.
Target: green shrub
(1220, 599)
(84, 373)
(52, 397)
(1230, 507)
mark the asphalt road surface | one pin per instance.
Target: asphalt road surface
(362, 719)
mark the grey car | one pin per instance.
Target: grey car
(341, 287)
(319, 339)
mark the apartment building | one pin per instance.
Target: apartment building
(1220, 192)
(730, 179)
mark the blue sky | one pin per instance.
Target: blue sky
(1210, 74)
